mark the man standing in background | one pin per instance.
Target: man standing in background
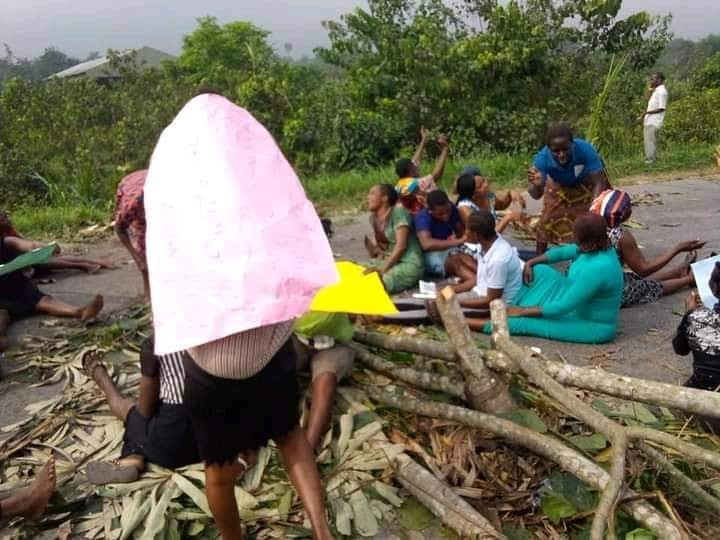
(654, 116)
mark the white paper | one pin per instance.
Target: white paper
(701, 271)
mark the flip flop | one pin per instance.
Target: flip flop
(104, 472)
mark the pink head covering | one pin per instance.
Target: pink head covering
(232, 241)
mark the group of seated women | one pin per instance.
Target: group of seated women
(419, 233)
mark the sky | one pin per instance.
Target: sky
(78, 27)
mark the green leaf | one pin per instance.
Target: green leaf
(643, 414)
(515, 533)
(195, 528)
(134, 511)
(362, 419)
(192, 491)
(129, 325)
(572, 490)
(557, 508)
(528, 418)
(640, 534)
(596, 441)
(285, 504)
(716, 488)
(155, 521)
(400, 357)
(413, 516)
(365, 522)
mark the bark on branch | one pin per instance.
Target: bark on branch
(420, 379)
(605, 512)
(542, 445)
(688, 486)
(691, 400)
(485, 391)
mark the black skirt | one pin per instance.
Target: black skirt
(165, 439)
(20, 298)
(230, 416)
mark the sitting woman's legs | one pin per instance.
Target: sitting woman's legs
(464, 267)
(56, 308)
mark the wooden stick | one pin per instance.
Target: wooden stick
(688, 486)
(604, 514)
(424, 347)
(420, 379)
(485, 391)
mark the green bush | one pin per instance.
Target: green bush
(695, 118)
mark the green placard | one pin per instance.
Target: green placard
(36, 256)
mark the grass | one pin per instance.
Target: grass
(345, 192)
(50, 222)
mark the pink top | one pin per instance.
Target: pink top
(232, 241)
(129, 209)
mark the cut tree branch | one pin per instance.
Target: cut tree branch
(690, 400)
(605, 512)
(688, 486)
(542, 445)
(485, 391)
(420, 379)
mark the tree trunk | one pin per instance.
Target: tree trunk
(485, 391)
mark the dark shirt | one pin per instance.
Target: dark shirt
(699, 334)
(440, 230)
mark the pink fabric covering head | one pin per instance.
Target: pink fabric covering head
(232, 241)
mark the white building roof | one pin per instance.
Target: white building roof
(100, 67)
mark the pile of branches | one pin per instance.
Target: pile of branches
(599, 418)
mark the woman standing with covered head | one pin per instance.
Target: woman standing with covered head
(231, 264)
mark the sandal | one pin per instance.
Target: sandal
(90, 361)
(104, 472)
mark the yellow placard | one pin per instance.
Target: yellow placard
(356, 292)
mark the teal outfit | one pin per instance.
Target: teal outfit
(582, 307)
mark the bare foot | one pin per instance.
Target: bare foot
(92, 309)
(39, 492)
(91, 363)
(92, 268)
(107, 265)
(684, 269)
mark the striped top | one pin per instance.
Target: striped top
(172, 378)
(242, 355)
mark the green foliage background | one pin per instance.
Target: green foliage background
(490, 74)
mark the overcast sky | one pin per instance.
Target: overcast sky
(80, 26)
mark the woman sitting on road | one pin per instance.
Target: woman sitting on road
(20, 297)
(82, 264)
(395, 241)
(474, 194)
(648, 280)
(580, 307)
